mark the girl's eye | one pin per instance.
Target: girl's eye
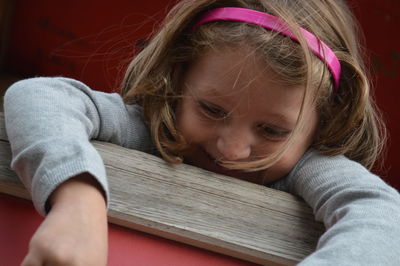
(273, 132)
(212, 111)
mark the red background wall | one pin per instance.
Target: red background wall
(93, 40)
(380, 21)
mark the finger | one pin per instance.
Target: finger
(31, 260)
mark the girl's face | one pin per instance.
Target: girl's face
(234, 109)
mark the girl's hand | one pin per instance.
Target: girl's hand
(75, 230)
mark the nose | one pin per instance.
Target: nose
(234, 144)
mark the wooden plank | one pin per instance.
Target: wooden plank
(196, 207)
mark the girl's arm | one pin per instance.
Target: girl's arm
(75, 230)
(49, 123)
(360, 212)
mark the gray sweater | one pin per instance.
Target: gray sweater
(50, 122)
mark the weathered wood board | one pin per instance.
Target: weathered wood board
(196, 207)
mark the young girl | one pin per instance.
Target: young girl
(274, 92)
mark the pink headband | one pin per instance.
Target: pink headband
(270, 22)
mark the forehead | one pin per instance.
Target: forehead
(241, 64)
(240, 78)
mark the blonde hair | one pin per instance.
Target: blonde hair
(350, 123)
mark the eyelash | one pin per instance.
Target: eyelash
(272, 133)
(216, 113)
(212, 111)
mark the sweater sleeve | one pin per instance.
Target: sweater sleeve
(360, 211)
(49, 123)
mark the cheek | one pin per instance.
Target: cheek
(277, 171)
(182, 119)
(281, 168)
(300, 145)
(190, 126)
(290, 158)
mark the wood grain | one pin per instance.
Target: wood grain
(196, 207)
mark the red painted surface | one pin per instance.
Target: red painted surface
(90, 41)
(19, 220)
(381, 22)
(93, 43)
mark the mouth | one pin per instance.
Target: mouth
(204, 160)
